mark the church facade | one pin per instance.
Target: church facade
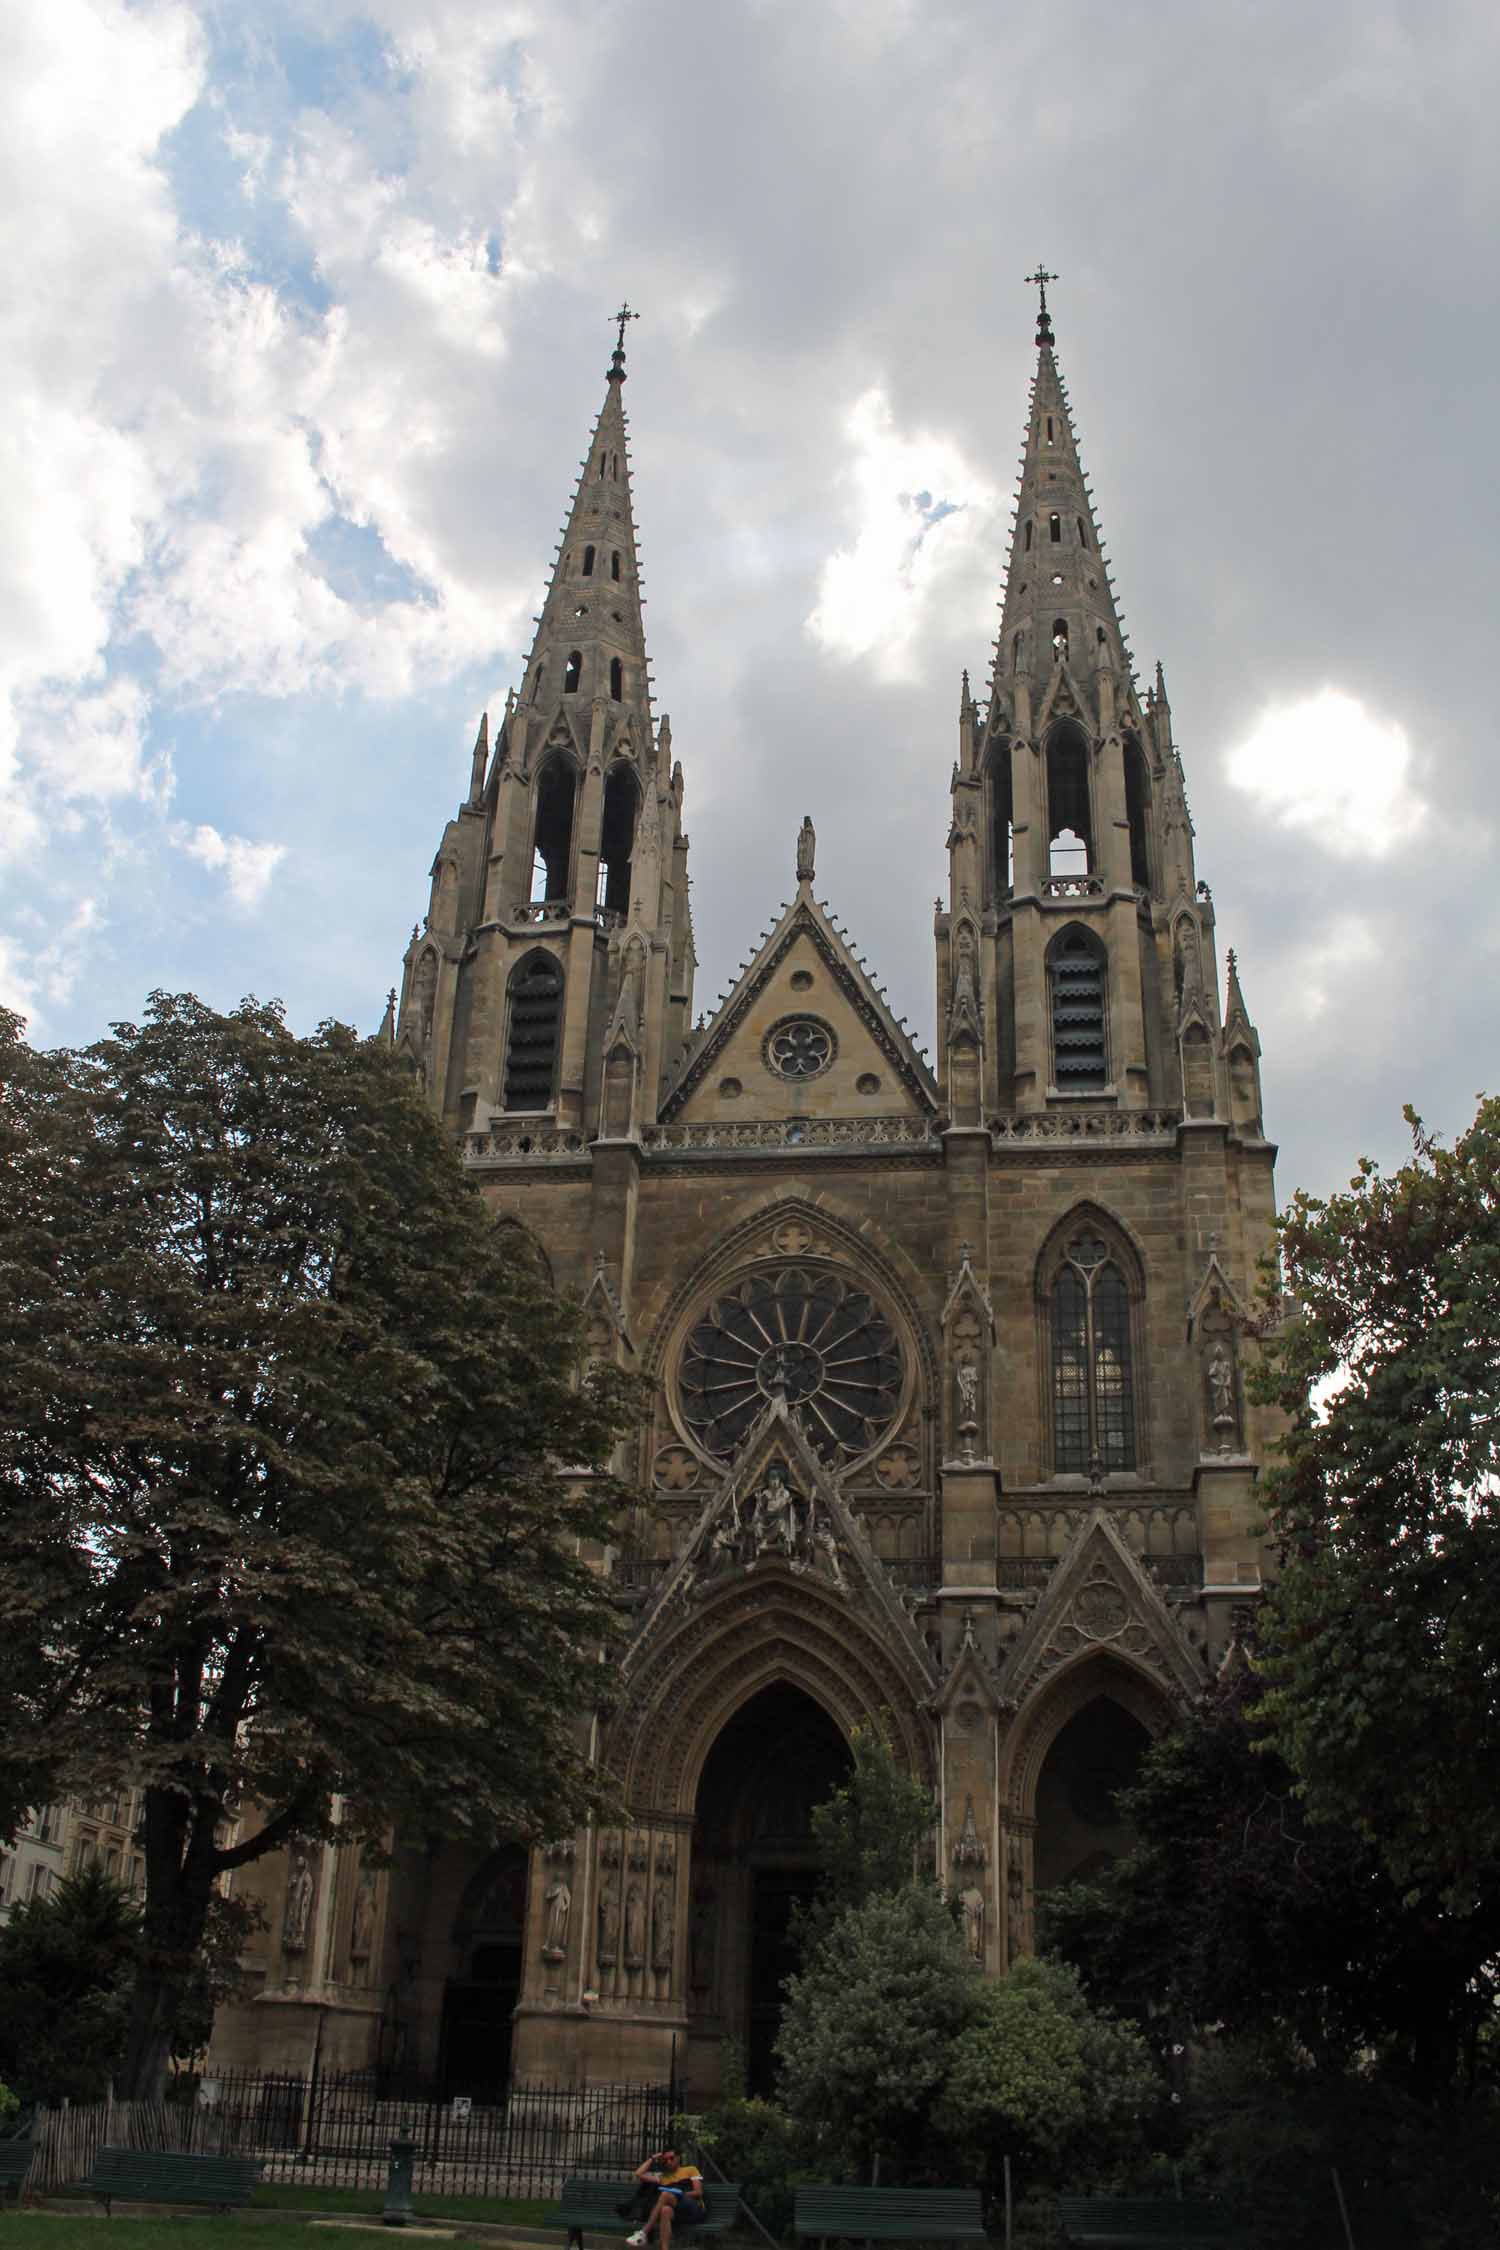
(950, 1432)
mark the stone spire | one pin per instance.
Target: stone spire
(1058, 597)
(591, 620)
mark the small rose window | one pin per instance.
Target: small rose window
(799, 1047)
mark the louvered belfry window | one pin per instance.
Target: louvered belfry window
(536, 991)
(1078, 1045)
(1093, 1407)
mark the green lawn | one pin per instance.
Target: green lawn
(66, 2230)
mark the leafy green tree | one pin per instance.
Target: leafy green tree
(65, 1969)
(1235, 1910)
(299, 1467)
(1040, 2074)
(886, 1988)
(870, 1831)
(1382, 1639)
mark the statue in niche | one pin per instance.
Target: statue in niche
(663, 1927)
(972, 1902)
(635, 1927)
(963, 975)
(702, 1941)
(362, 1921)
(807, 845)
(558, 1904)
(609, 1926)
(299, 1902)
(1219, 1373)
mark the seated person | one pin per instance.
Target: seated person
(679, 2201)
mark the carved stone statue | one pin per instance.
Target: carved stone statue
(825, 1540)
(635, 1927)
(774, 1522)
(362, 1921)
(972, 1902)
(299, 1903)
(807, 844)
(1221, 1387)
(663, 1927)
(609, 1926)
(559, 1905)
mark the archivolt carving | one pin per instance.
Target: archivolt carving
(777, 1627)
(1043, 1719)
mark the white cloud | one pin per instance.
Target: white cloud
(247, 867)
(920, 513)
(1328, 765)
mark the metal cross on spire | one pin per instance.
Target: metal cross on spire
(622, 316)
(1043, 319)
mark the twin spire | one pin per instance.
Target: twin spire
(1059, 606)
(590, 638)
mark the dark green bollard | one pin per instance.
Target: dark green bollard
(398, 2206)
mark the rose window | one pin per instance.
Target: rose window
(799, 1047)
(813, 1337)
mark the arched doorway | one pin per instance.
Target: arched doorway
(479, 2000)
(778, 1757)
(1079, 1827)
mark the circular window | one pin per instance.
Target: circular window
(801, 980)
(730, 1089)
(867, 1083)
(810, 1335)
(799, 1047)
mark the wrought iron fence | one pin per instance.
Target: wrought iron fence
(335, 2130)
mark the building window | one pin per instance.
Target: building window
(1070, 832)
(1059, 640)
(1054, 530)
(536, 992)
(614, 565)
(574, 672)
(1002, 823)
(617, 840)
(1093, 1407)
(552, 846)
(1076, 974)
(616, 678)
(1138, 813)
(1028, 535)
(588, 562)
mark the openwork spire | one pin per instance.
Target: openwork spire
(1059, 604)
(590, 637)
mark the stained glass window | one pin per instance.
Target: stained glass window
(1093, 1410)
(814, 1336)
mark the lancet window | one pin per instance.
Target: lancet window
(1077, 976)
(617, 839)
(536, 993)
(1138, 812)
(1069, 816)
(552, 845)
(1089, 1324)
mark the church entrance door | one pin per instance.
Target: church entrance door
(753, 1858)
(479, 2001)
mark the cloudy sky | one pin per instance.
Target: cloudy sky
(306, 322)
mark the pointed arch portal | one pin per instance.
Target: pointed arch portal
(778, 1756)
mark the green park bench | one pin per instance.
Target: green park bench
(895, 2214)
(16, 2152)
(596, 2204)
(148, 2175)
(1145, 2222)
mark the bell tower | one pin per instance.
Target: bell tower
(551, 980)
(1076, 962)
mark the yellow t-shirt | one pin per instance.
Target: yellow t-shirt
(681, 2177)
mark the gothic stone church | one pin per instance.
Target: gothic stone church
(950, 1429)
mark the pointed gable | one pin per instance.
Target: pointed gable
(805, 1030)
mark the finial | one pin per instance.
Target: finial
(1043, 319)
(617, 361)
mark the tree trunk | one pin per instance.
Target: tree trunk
(149, 2038)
